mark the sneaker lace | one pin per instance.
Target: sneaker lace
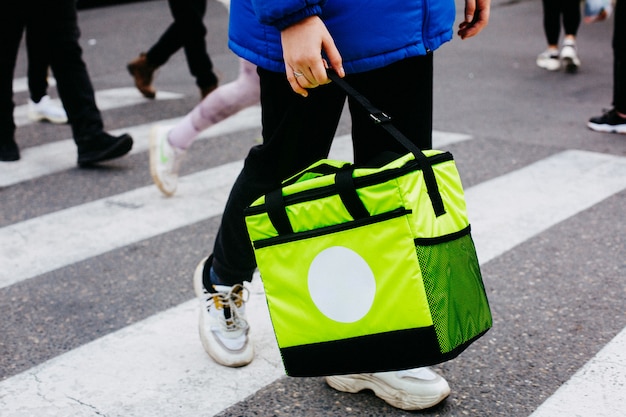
(231, 302)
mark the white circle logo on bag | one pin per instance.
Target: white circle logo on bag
(341, 284)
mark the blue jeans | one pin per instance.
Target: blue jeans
(298, 131)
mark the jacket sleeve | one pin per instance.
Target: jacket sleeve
(284, 13)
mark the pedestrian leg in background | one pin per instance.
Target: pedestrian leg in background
(169, 144)
(557, 14)
(59, 22)
(187, 32)
(614, 120)
(40, 106)
(11, 30)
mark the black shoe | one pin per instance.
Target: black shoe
(609, 122)
(9, 150)
(101, 146)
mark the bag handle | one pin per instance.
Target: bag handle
(277, 213)
(380, 118)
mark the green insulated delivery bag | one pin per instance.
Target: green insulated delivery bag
(370, 269)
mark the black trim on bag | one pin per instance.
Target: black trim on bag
(349, 197)
(430, 241)
(390, 351)
(276, 212)
(359, 182)
(293, 237)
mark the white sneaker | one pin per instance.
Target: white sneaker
(569, 56)
(549, 60)
(413, 389)
(46, 110)
(223, 326)
(165, 160)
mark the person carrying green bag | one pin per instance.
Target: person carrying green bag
(385, 50)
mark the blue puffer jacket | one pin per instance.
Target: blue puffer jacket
(368, 33)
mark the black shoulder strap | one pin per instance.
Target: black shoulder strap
(380, 118)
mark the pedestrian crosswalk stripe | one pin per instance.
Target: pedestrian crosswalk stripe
(20, 84)
(58, 156)
(156, 367)
(151, 362)
(515, 207)
(106, 99)
(596, 390)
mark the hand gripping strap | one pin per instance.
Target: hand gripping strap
(380, 118)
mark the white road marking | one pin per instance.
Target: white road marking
(156, 367)
(58, 156)
(512, 208)
(598, 389)
(105, 99)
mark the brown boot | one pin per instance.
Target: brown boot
(142, 72)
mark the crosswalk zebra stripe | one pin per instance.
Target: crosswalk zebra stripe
(156, 367)
(163, 355)
(596, 390)
(539, 195)
(105, 99)
(57, 156)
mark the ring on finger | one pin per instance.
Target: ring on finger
(297, 74)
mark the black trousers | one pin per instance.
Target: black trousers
(298, 131)
(38, 64)
(55, 26)
(619, 57)
(556, 12)
(187, 32)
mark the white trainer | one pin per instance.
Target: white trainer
(569, 56)
(223, 326)
(412, 389)
(46, 110)
(165, 160)
(549, 59)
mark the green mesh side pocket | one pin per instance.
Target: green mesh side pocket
(455, 290)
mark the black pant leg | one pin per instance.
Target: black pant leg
(409, 104)
(11, 29)
(59, 22)
(619, 57)
(189, 15)
(38, 64)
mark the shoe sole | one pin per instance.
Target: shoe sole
(9, 158)
(550, 67)
(38, 118)
(392, 396)
(120, 148)
(607, 128)
(154, 153)
(570, 65)
(237, 360)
